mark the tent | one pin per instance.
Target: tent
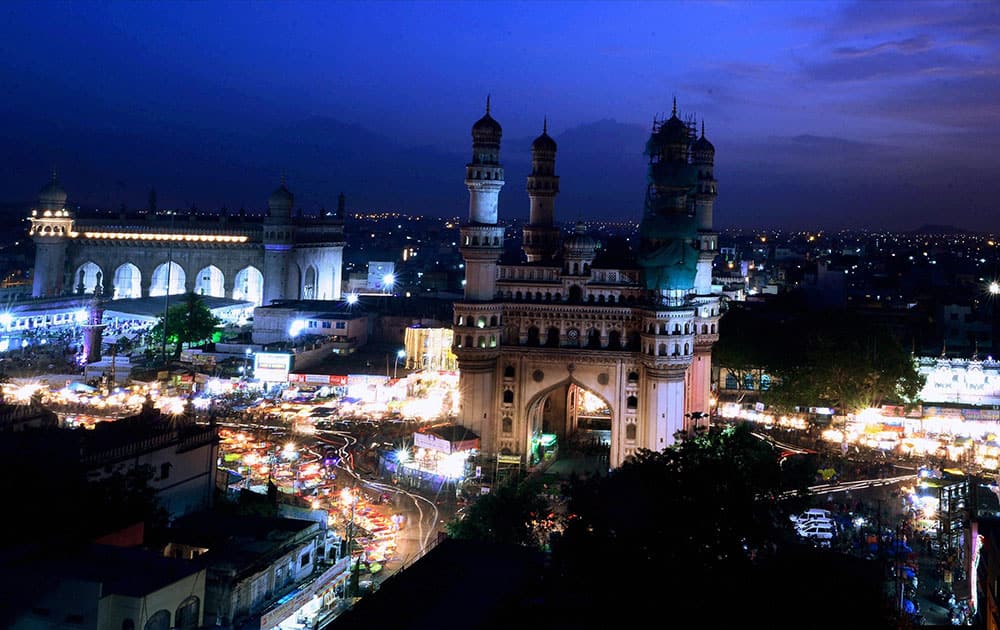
(77, 386)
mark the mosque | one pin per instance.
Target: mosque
(248, 258)
(570, 321)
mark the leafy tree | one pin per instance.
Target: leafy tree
(504, 516)
(844, 361)
(190, 321)
(744, 348)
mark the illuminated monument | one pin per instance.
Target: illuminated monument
(251, 258)
(534, 338)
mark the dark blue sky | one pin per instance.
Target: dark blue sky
(823, 114)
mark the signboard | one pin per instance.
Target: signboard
(426, 440)
(271, 367)
(509, 459)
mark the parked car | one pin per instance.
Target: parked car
(817, 531)
(802, 521)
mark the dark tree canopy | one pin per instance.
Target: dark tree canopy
(690, 537)
(835, 359)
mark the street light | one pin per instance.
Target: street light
(994, 288)
(399, 355)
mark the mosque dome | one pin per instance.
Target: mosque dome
(486, 128)
(544, 142)
(52, 196)
(281, 198)
(580, 242)
(702, 145)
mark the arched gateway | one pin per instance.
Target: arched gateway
(577, 338)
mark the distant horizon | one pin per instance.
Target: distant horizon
(824, 115)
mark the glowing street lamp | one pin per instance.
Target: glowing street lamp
(388, 280)
(399, 355)
(994, 288)
(352, 298)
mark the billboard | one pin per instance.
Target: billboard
(271, 367)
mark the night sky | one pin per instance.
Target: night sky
(823, 114)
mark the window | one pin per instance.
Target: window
(508, 371)
(304, 560)
(508, 425)
(160, 620)
(508, 397)
(326, 325)
(165, 470)
(341, 325)
(631, 402)
(630, 431)
(187, 614)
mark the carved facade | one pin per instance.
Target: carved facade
(635, 330)
(257, 259)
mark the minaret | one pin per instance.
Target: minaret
(278, 236)
(703, 159)
(477, 322)
(482, 238)
(51, 228)
(707, 312)
(541, 238)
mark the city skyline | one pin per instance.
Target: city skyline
(824, 115)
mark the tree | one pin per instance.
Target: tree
(190, 321)
(743, 348)
(506, 515)
(844, 361)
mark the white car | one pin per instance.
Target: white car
(812, 520)
(816, 531)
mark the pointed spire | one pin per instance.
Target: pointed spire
(702, 127)
(283, 185)
(55, 177)
(674, 111)
(487, 104)
(545, 124)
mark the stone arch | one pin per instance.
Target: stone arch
(593, 338)
(160, 620)
(127, 282)
(575, 294)
(249, 285)
(188, 611)
(552, 338)
(210, 281)
(164, 273)
(309, 279)
(558, 416)
(533, 336)
(614, 340)
(87, 278)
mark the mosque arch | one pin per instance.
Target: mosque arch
(566, 408)
(211, 281)
(127, 282)
(167, 273)
(309, 283)
(249, 285)
(88, 278)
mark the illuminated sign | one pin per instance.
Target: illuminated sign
(271, 366)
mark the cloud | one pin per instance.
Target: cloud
(910, 45)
